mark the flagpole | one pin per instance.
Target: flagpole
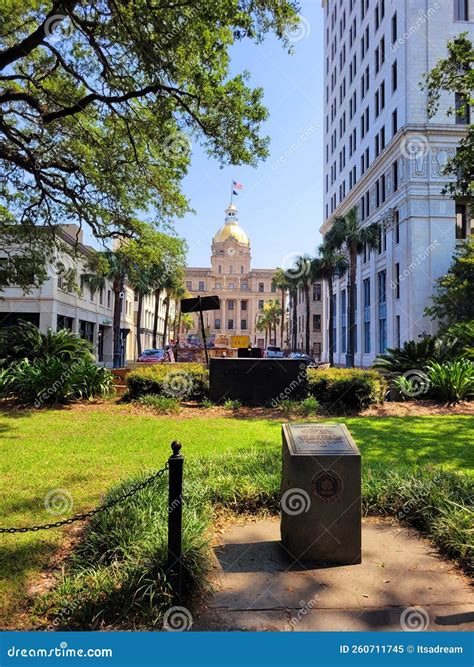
(231, 192)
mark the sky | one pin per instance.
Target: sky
(281, 205)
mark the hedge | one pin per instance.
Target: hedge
(181, 380)
(346, 389)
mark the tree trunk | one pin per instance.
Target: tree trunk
(167, 312)
(308, 307)
(155, 317)
(282, 318)
(118, 288)
(351, 310)
(331, 318)
(139, 323)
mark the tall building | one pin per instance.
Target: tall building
(242, 291)
(384, 155)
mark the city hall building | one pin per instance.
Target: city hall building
(242, 290)
(384, 155)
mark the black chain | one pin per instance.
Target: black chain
(91, 513)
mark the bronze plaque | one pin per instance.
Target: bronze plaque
(326, 485)
(325, 438)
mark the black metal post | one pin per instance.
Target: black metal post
(203, 331)
(175, 506)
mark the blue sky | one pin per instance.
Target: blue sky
(281, 205)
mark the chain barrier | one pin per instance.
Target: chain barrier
(91, 513)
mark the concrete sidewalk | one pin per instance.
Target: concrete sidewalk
(401, 584)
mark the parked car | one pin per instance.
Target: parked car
(304, 357)
(273, 351)
(157, 356)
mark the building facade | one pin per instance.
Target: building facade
(57, 305)
(242, 290)
(384, 155)
(298, 333)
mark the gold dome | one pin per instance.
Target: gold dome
(231, 229)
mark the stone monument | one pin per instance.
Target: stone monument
(321, 494)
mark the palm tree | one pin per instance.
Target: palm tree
(304, 263)
(281, 281)
(264, 324)
(274, 311)
(326, 266)
(348, 233)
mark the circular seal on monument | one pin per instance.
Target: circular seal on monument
(326, 485)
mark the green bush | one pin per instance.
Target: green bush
(50, 380)
(166, 404)
(452, 381)
(413, 355)
(179, 380)
(309, 406)
(232, 404)
(26, 341)
(346, 389)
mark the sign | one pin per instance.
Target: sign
(200, 303)
(221, 340)
(326, 438)
(239, 341)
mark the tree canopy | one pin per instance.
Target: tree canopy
(100, 102)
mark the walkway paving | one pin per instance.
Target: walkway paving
(402, 583)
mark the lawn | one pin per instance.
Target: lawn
(86, 451)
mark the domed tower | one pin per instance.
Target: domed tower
(230, 247)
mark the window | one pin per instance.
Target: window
(316, 291)
(101, 296)
(109, 299)
(201, 286)
(219, 269)
(230, 324)
(394, 122)
(260, 304)
(397, 227)
(316, 323)
(243, 305)
(217, 323)
(243, 324)
(273, 288)
(394, 76)
(334, 323)
(261, 287)
(343, 316)
(231, 269)
(394, 28)
(64, 322)
(463, 112)
(230, 304)
(244, 286)
(86, 330)
(461, 10)
(189, 285)
(397, 280)
(366, 287)
(218, 285)
(464, 227)
(398, 337)
(382, 299)
(231, 286)
(241, 269)
(395, 175)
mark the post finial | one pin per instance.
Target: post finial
(175, 446)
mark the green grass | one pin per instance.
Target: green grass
(87, 451)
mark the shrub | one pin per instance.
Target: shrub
(231, 404)
(309, 406)
(346, 389)
(89, 380)
(179, 380)
(413, 355)
(26, 341)
(207, 403)
(166, 404)
(453, 381)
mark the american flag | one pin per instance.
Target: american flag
(237, 186)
